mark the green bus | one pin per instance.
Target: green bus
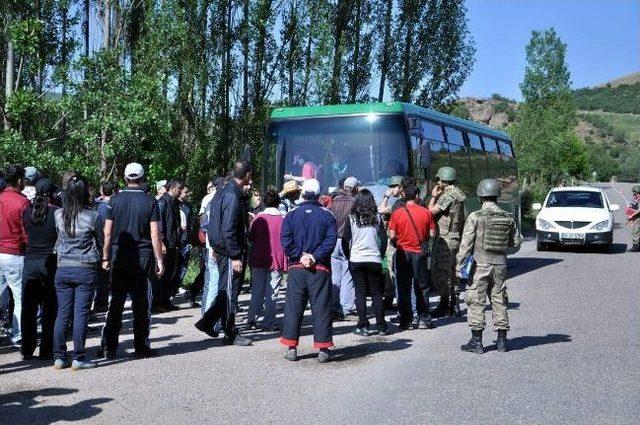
(375, 141)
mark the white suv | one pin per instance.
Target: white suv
(575, 216)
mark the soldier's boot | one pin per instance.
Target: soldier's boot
(475, 343)
(442, 308)
(502, 343)
(635, 248)
(454, 307)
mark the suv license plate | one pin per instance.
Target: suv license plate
(572, 236)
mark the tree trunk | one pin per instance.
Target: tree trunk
(353, 84)
(308, 62)
(384, 63)
(245, 57)
(9, 79)
(406, 57)
(106, 24)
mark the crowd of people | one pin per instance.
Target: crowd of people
(67, 252)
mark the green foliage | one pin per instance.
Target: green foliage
(546, 73)
(459, 109)
(602, 162)
(543, 132)
(624, 98)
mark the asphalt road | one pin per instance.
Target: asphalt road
(574, 359)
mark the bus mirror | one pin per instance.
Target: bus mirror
(425, 155)
(413, 123)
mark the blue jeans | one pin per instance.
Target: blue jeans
(265, 285)
(74, 290)
(343, 291)
(211, 277)
(11, 268)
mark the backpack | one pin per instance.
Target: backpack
(497, 231)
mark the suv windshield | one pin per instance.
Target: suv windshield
(575, 198)
(369, 147)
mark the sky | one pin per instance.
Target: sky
(602, 37)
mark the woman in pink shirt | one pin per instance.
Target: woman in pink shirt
(267, 261)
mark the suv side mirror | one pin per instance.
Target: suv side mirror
(425, 154)
(537, 206)
(614, 207)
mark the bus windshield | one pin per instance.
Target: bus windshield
(370, 147)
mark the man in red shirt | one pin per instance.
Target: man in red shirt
(410, 227)
(13, 240)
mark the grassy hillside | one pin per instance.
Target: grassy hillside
(624, 98)
(627, 79)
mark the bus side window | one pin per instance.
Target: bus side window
(459, 157)
(509, 170)
(493, 158)
(477, 160)
(439, 158)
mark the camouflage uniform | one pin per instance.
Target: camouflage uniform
(450, 224)
(635, 231)
(490, 272)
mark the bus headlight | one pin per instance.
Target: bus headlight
(603, 225)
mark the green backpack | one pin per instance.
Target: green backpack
(497, 231)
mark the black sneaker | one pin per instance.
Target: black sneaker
(170, 307)
(195, 305)
(339, 317)
(252, 325)
(324, 355)
(103, 353)
(361, 331)
(145, 354)
(415, 323)
(383, 331)
(206, 329)
(238, 340)
(395, 319)
(425, 323)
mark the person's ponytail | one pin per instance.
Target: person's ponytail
(40, 205)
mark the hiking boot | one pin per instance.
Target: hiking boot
(324, 355)
(238, 340)
(475, 343)
(291, 354)
(77, 365)
(61, 364)
(202, 327)
(502, 343)
(635, 248)
(442, 308)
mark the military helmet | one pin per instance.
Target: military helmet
(636, 189)
(489, 188)
(395, 181)
(446, 174)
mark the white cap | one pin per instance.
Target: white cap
(160, 184)
(133, 171)
(311, 187)
(351, 182)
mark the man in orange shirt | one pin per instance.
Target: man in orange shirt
(410, 228)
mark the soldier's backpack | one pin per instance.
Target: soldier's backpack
(497, 231)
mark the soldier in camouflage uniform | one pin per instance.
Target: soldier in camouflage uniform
(447, 206)
(634, 220)
(488, 234)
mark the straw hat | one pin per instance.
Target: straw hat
(290, 187)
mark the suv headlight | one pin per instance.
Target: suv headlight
(603, 225)
(545, 225)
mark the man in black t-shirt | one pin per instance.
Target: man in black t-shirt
(171, 230)
(131, 241)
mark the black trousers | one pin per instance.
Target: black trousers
(129, 276)
(368, 279)
(305, 286)
(168, 286)
(412, 271)
(39, 290)
(225, 306)
(101, 300)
